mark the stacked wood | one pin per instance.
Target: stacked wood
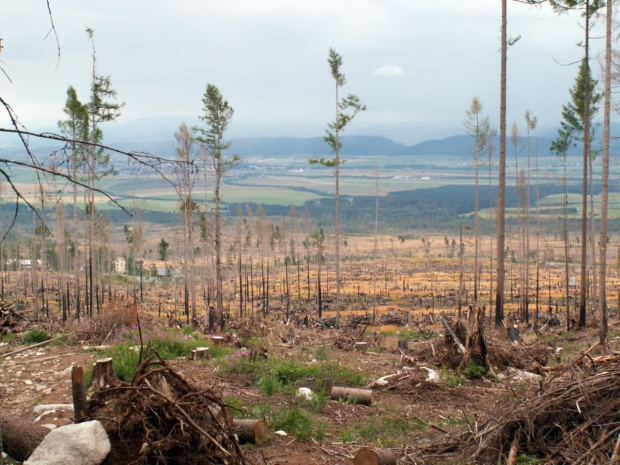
(359, 396)
(374, 457)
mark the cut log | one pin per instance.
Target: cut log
(255, 431)
(361, 346)
(359, 396)
(199, 352)
(20, 437)
(78, 389)
(374, 457)
(103, 373)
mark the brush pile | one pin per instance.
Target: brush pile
(161, 418)
(575, 419)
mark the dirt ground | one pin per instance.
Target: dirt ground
(42, 376)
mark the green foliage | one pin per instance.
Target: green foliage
(524, 459)
(323, 353)
(290, 372)
(269, 385)
(295, 421)
(474, 371)
(449, 378)
(61, 340)
(126, 358)
(383, 431)
(34, 336)
(10, 337)
(168, 343)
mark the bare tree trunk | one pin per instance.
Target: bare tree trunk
(501, 202)
(605, 193)
(584, 197)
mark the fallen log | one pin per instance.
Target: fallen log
(20, 437)
(255, 431)
(360, 396)
(374, 457)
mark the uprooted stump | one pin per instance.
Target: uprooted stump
(161, 418)
(575, 420)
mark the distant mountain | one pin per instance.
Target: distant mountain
(316, 146)
(462, 146)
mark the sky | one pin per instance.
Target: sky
(415, 64)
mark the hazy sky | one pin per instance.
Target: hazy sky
(415, 64)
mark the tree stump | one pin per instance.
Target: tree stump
(199, 352)
(103, 373)
(361, 346)
(78, 389)
(475, 346)
(359, 396)
(374, 457)
(403, 345)
(255, 431)
(20, 437)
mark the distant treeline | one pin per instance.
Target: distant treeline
(421, 209)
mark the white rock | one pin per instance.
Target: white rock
(433, 376)
(280, 433)
(305, 392)
(77, 444)
(49, 426)
(27, 382)
(46, 408)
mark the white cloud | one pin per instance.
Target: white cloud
(389, 70)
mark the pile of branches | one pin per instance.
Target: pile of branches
(393, 318)
(9, 318)
(355, 321)
(160, 418)
(576, 420)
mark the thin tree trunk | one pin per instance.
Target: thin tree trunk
(605, 193)
(501, 202)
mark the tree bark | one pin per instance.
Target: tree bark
(374, 457)
(501, 201)
(20, 437)
(255, 431)
(361, 396)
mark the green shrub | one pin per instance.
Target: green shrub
(323, 353)
(125, 357)
(9, 338)
(295, 421)
(473, 371)
(34, 336)
(449, 378)
(269, 385)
